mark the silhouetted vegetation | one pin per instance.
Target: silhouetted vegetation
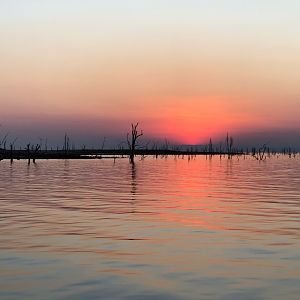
(163, 150)
(261, 154)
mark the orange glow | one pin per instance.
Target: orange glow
(183, 79)
(195, 120)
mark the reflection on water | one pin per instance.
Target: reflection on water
(159, 229)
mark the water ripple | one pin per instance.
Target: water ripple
(170, 228)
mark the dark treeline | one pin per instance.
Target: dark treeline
(227, 149)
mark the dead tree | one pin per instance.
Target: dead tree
(11, 153)
(28, 153)
(210, 147)
(132, 139)
(261, 155)
(66, 144)
(3, 141)
(37, 148)
(229, 145)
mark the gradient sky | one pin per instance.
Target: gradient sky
(186, 70)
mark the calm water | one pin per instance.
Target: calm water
(165, 229)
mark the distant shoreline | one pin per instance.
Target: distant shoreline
(101, 154)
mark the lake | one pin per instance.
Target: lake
(166, 228)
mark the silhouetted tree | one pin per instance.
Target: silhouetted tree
(28, 153)
(261, 154)
(3, 141)
(132, 139)
(229, 145)
(66, 143)
(35, 151)
(210, 147)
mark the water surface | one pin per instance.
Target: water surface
(162, 229)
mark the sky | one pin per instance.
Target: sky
(185, 70)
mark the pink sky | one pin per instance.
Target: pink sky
(185, 71)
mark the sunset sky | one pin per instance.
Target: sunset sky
(186, 70)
